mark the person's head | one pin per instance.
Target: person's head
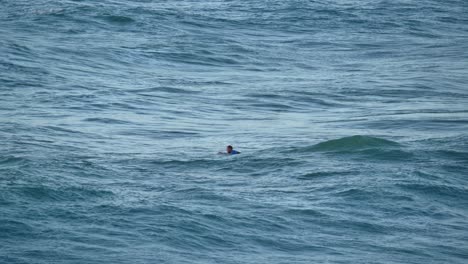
(229, 149)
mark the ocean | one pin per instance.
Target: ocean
(351, 118)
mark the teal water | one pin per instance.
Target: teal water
(351, 116)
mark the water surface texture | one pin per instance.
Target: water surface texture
(351, 116)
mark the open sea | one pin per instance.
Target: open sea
(351, 116)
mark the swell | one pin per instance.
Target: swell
(366, 146)
(46, 193)
(353, 143)
(434, 189)
(357, 147)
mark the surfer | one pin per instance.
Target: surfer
(230, 151)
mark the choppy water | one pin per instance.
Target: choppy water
(351, 116)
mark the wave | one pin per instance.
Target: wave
(106, 120)
(320, 174)
(433, 190)
(118, 19)
(364, 146)
(354, 143)
(12, 160)
(51, 193)
(169, 90)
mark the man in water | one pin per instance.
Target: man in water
(230, 151)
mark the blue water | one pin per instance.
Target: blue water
(351, 116)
